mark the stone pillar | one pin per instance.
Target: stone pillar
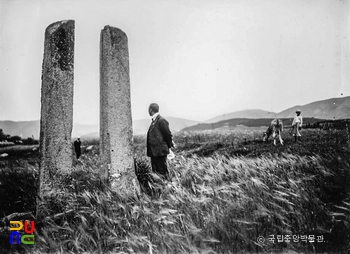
(56, 102)
(116, 146)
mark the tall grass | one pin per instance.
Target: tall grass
(211, 205)
(214, 203)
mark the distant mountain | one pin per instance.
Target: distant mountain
(176, 124)
(243, 122)
(141, 126)
(335, 108)
(28, 128)
(248, 113)
(83, 129)
(93, 135)
(23, 129)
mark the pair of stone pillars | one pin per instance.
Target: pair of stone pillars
(116, 150)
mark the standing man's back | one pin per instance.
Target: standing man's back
(77, 147)
(159, 141)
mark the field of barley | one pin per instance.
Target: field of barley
(229, 193)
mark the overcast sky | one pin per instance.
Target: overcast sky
(196, 58)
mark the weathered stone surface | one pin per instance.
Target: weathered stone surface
(116, 148)
(56, 101)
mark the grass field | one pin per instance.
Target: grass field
(229, 192)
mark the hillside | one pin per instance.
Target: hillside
(28, 128)
(334, 108)
(239, 122)
(176, 124)
(23, 129)
(248, 113)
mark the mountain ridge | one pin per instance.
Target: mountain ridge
(328, 109)
(247, 113)
(238, 123)
(26, 129)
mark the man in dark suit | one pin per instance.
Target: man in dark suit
(77, 147)
(159, 141)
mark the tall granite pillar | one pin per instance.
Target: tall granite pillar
(116, 148)
(56, 120)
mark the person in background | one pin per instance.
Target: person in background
(77, 147)
(296, 125)
(159, 141)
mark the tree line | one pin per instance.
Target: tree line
(17, 139)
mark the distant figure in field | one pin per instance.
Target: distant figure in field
(77, 147)
(159, 141)
(275, 129)
(296, 125)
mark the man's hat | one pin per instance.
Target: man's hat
(298, 111)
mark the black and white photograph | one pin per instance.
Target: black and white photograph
(174, 126)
